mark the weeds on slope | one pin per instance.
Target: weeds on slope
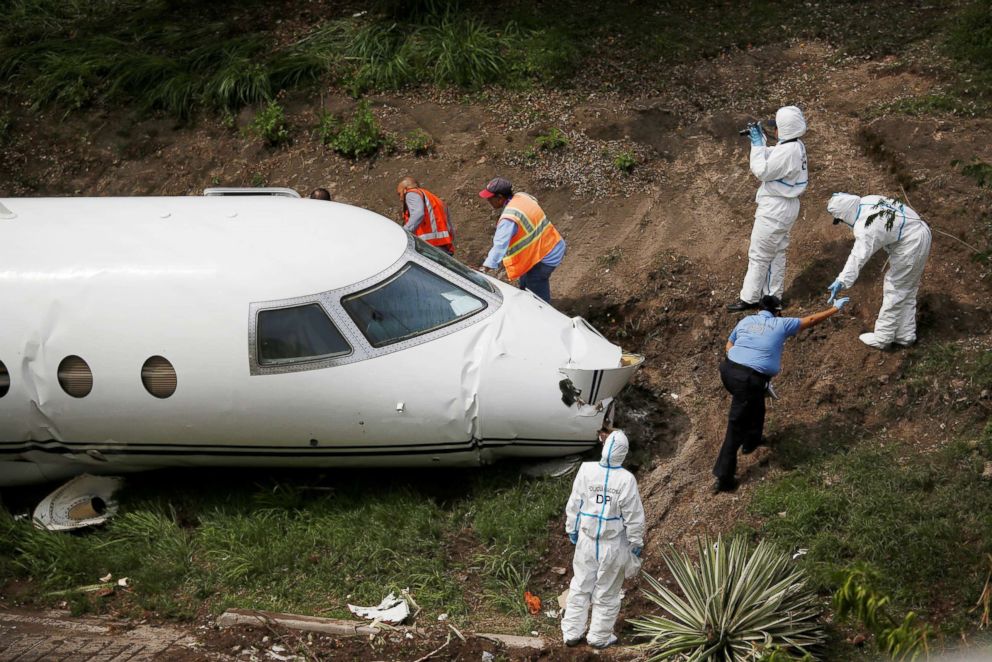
(299, 542)
(919, 521)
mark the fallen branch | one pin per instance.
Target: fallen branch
(434, 652)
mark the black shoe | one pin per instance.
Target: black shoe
(724, 485)
(741, 305)
(572, 643)
(747, 450)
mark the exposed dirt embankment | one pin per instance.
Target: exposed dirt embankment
(654, 256)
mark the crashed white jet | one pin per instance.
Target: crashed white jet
(264, 330)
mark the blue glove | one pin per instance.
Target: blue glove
(839, 303)
(834, 288)
(756, 135)
(574, 537)
(636, 551)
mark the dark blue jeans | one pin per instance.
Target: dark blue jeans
(538, 281)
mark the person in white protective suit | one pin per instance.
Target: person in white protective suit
(879, 222)
(604, 519)
(784, 175)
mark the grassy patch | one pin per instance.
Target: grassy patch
(299, 542)
(948, 369)
(897, 513)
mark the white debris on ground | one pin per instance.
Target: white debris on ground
(83, 501)
(391, 610)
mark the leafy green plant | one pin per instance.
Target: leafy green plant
(360, 136)
(886, 210)
(737, 603)
(856, 600)
(270, 124)
(418, 142)
(551, 141)
(625, 162)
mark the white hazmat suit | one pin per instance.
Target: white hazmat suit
(784, 175)
(908, 244)
(605, 512)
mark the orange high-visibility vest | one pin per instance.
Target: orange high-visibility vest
(434, 228)
(535, 236)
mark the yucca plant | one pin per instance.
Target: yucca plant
(737, 604)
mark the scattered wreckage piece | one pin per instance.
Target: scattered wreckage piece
(391, 610)
(83, 501)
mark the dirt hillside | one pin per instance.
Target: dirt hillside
(654, 256)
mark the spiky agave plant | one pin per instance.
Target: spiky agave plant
(738, 604)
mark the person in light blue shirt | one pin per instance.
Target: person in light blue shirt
(754, 356)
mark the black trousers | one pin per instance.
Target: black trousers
(747, 415)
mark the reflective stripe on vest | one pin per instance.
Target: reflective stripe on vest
(439, 233)
(534, 238)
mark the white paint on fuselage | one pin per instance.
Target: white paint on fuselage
(118, 280)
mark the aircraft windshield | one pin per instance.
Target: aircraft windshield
(450, 263)
(301, 333)
(414, 301)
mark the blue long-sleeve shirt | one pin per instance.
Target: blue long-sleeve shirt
(758, 341)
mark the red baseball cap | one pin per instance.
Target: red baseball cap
(497, 186)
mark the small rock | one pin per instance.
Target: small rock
(559, 571)
(984, 395)
(987, 473)
(883, 379)
(442, 617)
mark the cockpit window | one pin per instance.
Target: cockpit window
(301, 333)
(414, 301)
(450, 263)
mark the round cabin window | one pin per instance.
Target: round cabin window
(75, 377)
(4, 380)
(159, 377)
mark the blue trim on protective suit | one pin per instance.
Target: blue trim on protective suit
(782, 181)
(578, 515)
(606, 483)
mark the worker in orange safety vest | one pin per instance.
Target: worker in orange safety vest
(425, 215)
(526, 242)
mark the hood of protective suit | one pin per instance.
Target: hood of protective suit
(845, 207)
(615, 449)
(790, 122)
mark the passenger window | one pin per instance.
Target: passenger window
(301, 333)
(450, 263)
(413, 302)
(4, 380)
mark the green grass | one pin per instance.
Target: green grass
(933, 370)
(898, 512)
(299, 542)
(625, 162)
(183, 58)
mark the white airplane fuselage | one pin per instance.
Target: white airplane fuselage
(399, 356)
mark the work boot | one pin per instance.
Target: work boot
(741, 305)
(724, 485)
(606, 644)
(747, 450)
(872, 340)
(572, 643)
